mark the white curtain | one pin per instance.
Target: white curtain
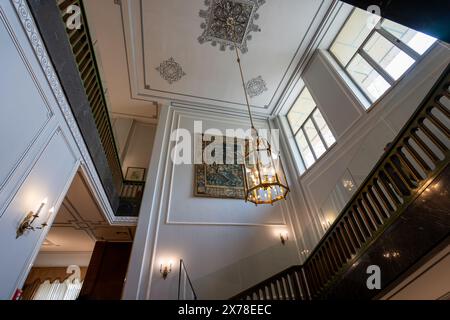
(68, 290)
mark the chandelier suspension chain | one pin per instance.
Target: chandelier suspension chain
(231, 23)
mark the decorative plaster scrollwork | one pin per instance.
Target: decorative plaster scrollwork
(170, 70)
(219, 32)
(256, 87)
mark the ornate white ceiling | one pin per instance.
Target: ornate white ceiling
(179, 50)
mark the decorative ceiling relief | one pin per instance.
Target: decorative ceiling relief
(219, 32)
(256, 86)
(171, 70)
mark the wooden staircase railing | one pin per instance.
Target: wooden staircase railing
(83, 52)
(287, 285)
(418, 154)
(130, 192)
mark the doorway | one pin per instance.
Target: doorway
(63, 262)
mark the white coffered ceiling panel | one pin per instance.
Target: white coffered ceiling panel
(79, 223)
(167, 59)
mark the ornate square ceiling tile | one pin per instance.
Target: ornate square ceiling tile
(256, 87)
(217, 27)
(171, 70)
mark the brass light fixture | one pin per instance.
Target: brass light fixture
(284, 236)
(165, 269)
(264, 177)
(28, 221)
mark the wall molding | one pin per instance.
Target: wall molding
(39, 132)
(36, 42)
(360, 129)
(132, 23)
(288, 96)
(169, 173)
(28, 265)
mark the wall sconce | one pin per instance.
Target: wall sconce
(165, 269)
(284, 236)
(348, 184)
(27, 222)
(304, 252)
(391, 254)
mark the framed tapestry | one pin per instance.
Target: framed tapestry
(224, 181)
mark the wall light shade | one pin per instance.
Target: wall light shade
(165, 268)
(265, 179)
(284, 236)
(28, 221)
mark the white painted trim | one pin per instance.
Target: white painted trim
(28, 265)
(36, 42)
(295, 84)
(180, 114)
(132, 20)
(33, 77)
(143, 253)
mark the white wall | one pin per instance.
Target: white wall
(227, 245)
(121, 128)
(361, 135)
(134, 141)
(62, 259)
(40, 153)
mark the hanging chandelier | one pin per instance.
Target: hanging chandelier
(264, 177)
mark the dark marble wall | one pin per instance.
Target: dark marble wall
(422, 227)
(53, 33)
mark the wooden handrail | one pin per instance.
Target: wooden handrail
(183, 267)
(417, 155)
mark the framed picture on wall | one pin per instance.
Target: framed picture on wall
(223, 181)
(135, 174)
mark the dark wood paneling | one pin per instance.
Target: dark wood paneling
(107, 270)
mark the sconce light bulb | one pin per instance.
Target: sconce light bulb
(44, 202)
(284, 237)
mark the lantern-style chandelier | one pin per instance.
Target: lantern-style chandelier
(264, 177)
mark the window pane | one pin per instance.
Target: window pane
(418, 41)
(370, 81)
(314, 138)
(324, 129)
(353, 34)
(393, 60)
(301, 110)
(305, 151)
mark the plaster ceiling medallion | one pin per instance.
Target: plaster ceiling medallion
(256, 87)
(171, 70)
(218, 31)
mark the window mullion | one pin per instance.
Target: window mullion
(299, 151)
(377, 67)
(309, 142)
(317, 129)
(350, 61)
(398, 43)
(361, 46)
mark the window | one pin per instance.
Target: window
(376, 52)
(312, 134)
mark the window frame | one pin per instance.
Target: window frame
(301, 128)
(377, 67)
